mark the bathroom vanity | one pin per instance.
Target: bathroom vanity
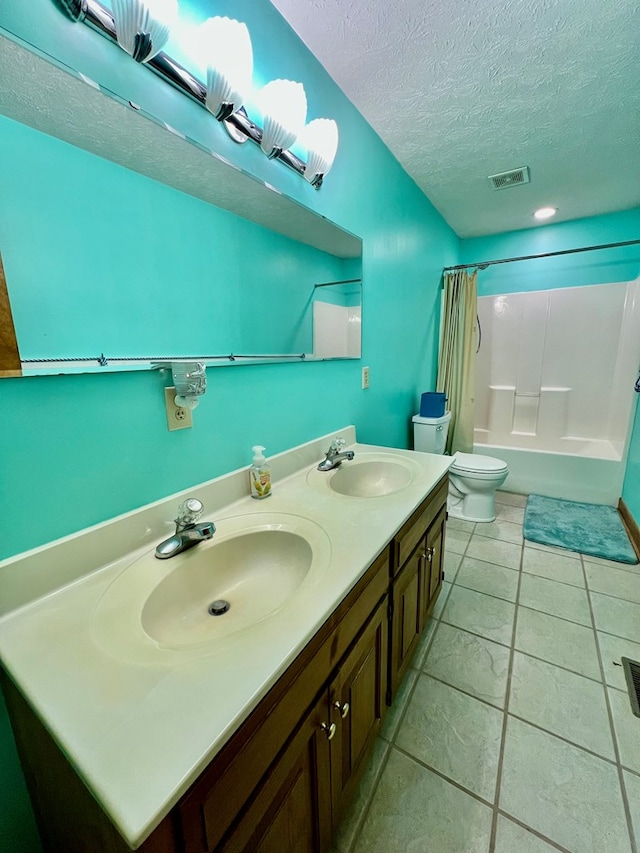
(252, 740)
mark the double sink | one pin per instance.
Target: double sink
(118, 652)
(253, 566)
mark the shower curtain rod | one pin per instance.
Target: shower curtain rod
(344, 281)
(484, 264)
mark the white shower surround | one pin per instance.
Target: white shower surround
(554, 387)
(336, 330)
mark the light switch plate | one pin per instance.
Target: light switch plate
(365, 377)
(178, 417)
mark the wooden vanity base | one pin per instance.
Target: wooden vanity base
(285, 778)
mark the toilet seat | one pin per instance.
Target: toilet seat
(472, 486)
(483, 467)
(473, 478)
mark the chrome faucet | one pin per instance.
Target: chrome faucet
(188, 532)
(335, 455)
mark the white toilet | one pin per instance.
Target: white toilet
(473, 479)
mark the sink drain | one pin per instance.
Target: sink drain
(218, 607)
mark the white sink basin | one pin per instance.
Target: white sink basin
(253, 573)
(368, 475)
(370, 478)
(253, 566)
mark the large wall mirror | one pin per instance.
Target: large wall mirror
(108, 270)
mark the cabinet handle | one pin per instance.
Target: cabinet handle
(429, 552)
(329, 730)
(344, 709)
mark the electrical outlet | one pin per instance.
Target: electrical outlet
(178, 417)
(365, 377)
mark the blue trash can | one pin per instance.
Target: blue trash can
(432, 404)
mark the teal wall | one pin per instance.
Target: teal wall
(83, 441)
(598, 267)
(137, 282)
(80, 449)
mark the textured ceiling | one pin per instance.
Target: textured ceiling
(462, 89)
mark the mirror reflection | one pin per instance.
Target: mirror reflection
(126, 267)
(337, 319)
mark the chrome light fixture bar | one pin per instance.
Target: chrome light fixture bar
(237, 122)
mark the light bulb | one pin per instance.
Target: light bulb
(143, 26)
(545, 212)
(223, 47)
(284, 109)
(320, 137)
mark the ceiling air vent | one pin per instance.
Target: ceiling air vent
(510, 179)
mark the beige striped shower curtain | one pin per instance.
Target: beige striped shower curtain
(456, 360)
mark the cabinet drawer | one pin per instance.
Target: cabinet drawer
(410, 534)
(208, 810)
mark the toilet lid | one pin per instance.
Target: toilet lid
(475, 462)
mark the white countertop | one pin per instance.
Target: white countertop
(139, 728)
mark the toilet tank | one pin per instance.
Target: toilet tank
(430, 434)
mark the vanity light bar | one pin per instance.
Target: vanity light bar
(238, 125)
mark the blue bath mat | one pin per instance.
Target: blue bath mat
(586, 528)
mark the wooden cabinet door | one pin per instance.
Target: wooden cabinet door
(357, 697)
(407, 617)
(292, 808)
(434, 555)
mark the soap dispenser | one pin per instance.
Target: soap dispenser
(260, 474)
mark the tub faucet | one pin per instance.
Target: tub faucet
(188, 531)
(335, 455)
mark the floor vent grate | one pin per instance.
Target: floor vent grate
(632, 674)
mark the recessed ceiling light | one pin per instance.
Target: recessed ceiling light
(545, 212)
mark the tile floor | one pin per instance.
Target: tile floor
(512, 732)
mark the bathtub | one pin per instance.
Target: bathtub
(573, 469)
(554, 367)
